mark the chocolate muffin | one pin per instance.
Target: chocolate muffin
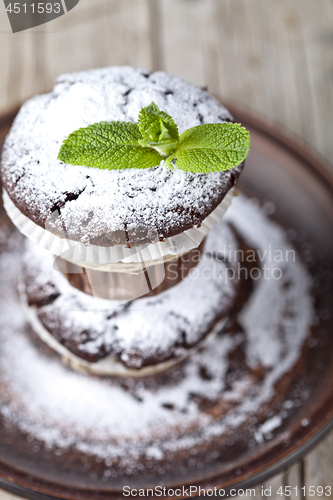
(133, 338)
(105, 208)
(118, 224)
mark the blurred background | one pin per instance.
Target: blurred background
(273, 58)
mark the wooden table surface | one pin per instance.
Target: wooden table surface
(272, 57)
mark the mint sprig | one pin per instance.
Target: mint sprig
(158, 130)
(116, 145)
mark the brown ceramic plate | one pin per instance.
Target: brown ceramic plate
(301, 187)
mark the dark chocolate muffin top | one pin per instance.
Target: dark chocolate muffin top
(109, 207)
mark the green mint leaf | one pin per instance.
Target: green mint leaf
(158, 129)
(212, 147)
(108, 145)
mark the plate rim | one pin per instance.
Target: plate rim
(324, 174)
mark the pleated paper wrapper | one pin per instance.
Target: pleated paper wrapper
(118, 258)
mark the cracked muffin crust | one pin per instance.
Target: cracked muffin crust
(107, 208)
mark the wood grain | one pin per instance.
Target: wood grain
(96, 33)
(318, 466)
(7, 496)
(273, 57)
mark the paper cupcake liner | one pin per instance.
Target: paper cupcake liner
(125, 285)
(112, 259)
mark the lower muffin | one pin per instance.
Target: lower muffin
(134, 338)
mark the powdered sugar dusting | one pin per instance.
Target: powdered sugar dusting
(279, 295)
(99, 417)
(88, 204)
(122, 329)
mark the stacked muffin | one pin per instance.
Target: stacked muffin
(118, 235)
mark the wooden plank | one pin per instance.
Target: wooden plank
(275, 58)
(7, 496)
(188, 39)
(293, 479)
(5, 42)
(104, 34)
(94, 34)
(283, 486)
(16, 78)
(270, 488)
(318, 467)
(155, 35)
(272, 57)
